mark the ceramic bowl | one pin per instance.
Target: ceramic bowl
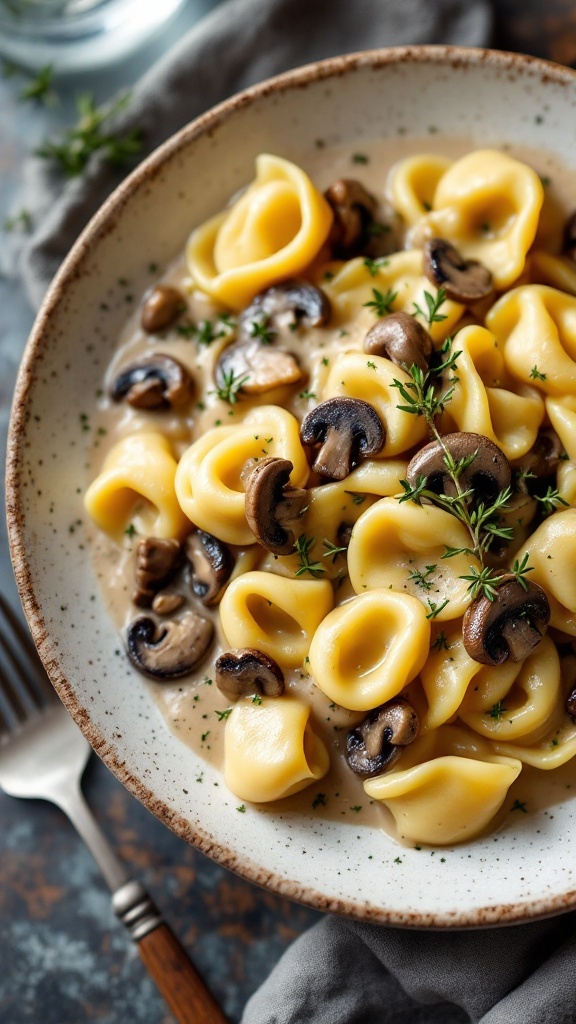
(525, 869)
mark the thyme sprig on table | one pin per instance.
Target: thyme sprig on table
(424, 395)
(92, 132)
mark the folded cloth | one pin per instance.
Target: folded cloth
(339, 972)
(240, 43)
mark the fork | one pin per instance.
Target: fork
(42, 756)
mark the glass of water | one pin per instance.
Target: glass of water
(75, 35)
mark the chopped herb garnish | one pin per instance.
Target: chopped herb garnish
(359, 158)
(223, 714)
(319, 801)
(435, 608)
(382, 302)
(551, 500)
(536, 375)
(256, 699)
(433, 304)
(302, 548)
(242, 809)
(421, 579)
(373, 266)
(357, 499)
(259, 329)
(519, 805)
(497, 711)
(307, 394)
(130, 531)
(231, 386)
(90, 134)
(333, 550)
(440, 643)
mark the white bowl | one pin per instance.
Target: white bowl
(526, 869)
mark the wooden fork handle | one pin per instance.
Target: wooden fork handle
(182, 987)
(165, 959)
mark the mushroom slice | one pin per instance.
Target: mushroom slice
(347, 429)
(376, 744)
(463, 280)
(509, 626)
(162, 307)
(543, 459)
(571, 704)
(260, 367)
(211, 562)
(170, 650)
(400, 338)
(272, 506)
(156, 381)
(156, 560)
(354, 211)
(287, 304)
(245, 671)
(487, 474)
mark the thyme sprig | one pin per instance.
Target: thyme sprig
(230, 387)
(92, 132)
(422, 396)
(382, 302)
(433, 303)
(302, 548)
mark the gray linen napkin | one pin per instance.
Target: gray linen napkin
(238, 44)
(339, 972)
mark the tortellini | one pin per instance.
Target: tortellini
(366, 650)
(448, 788)
(275, 615)
(401, 546)
(209, 480)
(412, 184)
(271, 750)
(135, 488)
(487, 204)
(273, 231)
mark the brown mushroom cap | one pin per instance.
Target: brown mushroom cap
(156, 560)
(375, 744)
(242, 672)
(544, 456)
(400, 338)
(287, 304)
(571, 704)
(347, 429)
(509, 626)
(211, 564)
(487, 475)
(162, 307)
(354, 211)
(156, 381)
(264, 367)
(463, 280)
(272, 506)
(170, 650)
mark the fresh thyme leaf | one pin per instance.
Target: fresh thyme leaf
(40, 88)
(536, 375)
(90, 134)
(259, 329)
(435, 608)
(231, 386)
(319, 801)
(421, 579)
(433, 303)
(357, 499)
(332, 550)
(413, 493)
(440, 643)
(551, 500)
(484, 582)
(382, 301)
(497, 711)
(21, 222)
(519, 805)
(373, 266)
(221, 715)
(302, 548)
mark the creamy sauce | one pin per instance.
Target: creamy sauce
(191, 707)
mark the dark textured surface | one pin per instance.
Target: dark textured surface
(65, 959)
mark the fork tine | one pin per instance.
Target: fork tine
(24, 684)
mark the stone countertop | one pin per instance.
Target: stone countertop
(65, 958)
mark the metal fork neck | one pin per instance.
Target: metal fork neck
(136, 910)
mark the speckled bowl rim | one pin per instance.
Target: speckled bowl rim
(451, 56)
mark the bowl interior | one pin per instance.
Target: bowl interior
(525, 869)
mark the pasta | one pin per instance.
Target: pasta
(339, 484)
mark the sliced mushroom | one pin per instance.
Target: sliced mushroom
(544, 456)
(343, 534)
(162, 307)
(156, 561)
(260, 367)
(463, 280)
(273, 507)
(167, 601)
(487, 475)
(375, 744)
(170, 650)
(347, 429)
(212, 563)
(400, 338)
(355, 229)
(156, 381)
(509, 626)
(246, 671)
(287, 304)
